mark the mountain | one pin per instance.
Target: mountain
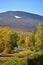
(20, 20)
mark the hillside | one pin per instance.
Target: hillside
(20, 20)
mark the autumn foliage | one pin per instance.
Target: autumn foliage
(27, 41)
(10, 39)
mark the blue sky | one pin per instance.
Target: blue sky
(32, 6)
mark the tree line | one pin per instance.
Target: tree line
(10, 39)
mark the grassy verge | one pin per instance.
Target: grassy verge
(23, 58)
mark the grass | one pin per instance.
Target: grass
(14, 60)
(21, 58)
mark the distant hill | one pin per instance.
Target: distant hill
(20, 20)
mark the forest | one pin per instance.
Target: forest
(32, 43)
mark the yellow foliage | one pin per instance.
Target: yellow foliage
(4, 37)
(27, 41)
(25, 53)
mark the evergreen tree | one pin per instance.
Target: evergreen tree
(39, 37)
(20, 41)
(13, 39)
(32, 38)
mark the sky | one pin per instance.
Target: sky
(32, 6)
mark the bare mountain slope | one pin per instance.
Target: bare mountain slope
(20, 20)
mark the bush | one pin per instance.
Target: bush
(35, 59)
(25, 53)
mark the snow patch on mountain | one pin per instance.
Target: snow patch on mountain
(18, 17)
